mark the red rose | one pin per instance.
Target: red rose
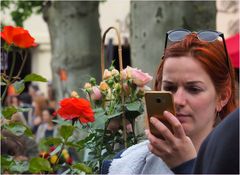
(17, 36)
(72, 108)
(69, 161)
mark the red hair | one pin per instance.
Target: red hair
(214, 61)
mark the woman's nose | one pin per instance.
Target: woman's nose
(179, 97)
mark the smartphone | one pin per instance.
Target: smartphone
(156, 102)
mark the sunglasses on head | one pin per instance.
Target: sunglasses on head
(203, 35)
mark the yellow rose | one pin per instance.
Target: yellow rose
(103, 86)
(74, 94)
(87, 86)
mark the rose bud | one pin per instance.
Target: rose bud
(74, 94)
(106, 74)
(115, 72)
(96, 93)
(87, 85)
(103, 86)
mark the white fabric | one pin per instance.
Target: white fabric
(138, 160)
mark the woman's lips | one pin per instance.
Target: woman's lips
(183, 117)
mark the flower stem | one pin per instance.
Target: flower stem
(89, 128)
(10, 77)
(23, 63)
(123, 118)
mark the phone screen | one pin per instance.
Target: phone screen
(156, 102)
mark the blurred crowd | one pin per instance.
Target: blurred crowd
(38, 117)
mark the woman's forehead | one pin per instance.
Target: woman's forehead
(184, 68)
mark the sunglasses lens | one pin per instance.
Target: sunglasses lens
(208, 36)
(177, 35)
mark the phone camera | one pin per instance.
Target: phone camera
(158, 100)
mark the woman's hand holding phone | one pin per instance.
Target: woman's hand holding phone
(175, 147)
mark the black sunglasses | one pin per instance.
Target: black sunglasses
(204, 35)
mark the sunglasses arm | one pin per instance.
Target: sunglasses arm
(225, 48)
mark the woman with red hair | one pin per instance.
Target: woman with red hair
(196, 69)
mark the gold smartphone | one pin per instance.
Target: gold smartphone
(156, 102)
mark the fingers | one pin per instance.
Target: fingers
(176, 125)
(165, 132)
(157, 146)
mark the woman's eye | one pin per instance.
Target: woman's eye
(194, 90)
(170, 88)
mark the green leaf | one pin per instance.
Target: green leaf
(100, 119)
(34, 77)
(59, 147)
(19, 167)
(66, 131)
(72, 144)
(60, 121)
(82, 167)
(19, 86)
(117, 114)
(18, 129)
(39, 165)
(9, 111)
(6, 162)
(52, 141)
(135, 106)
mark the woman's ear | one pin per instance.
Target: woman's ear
(223, 99)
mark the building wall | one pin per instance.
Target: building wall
(228, 17)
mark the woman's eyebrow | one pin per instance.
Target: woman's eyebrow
(194, 82)
(168, 82)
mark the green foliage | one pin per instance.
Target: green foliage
(6, 162)
(19, 166)
(135, 106)
(82, 167)
(39, 165)
(9, 164)
(66, 131)
(34, 77)
(52, 141)
(18, 129)
(7, 112)
(22, 10)
(19, 86)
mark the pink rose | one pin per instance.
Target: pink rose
(96, 93)
(126, 73)
(140, 78)
(106, 74)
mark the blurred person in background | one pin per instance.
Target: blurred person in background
(51, 95)
(39, 103)
(47, 128)
(33, 90)
(25, 101)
